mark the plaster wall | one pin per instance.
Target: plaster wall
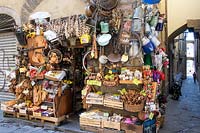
(179, 11)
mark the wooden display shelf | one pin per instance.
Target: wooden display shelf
(44, 119)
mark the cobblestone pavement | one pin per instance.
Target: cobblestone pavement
(14, 125)
(183, 116)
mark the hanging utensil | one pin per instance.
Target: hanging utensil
(124, 57)
(135, 43)
(115, 56)
(94, 52)
(102, 59)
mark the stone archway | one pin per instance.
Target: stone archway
(171, 42)
(191, 24)
(12, 13)
(27, 8)
(9, 18)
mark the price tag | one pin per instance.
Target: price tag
(84, 92)
(94, 82)
(92, 54)
(151, 115)
(32, 83)
(110, 72)
(106, 114)
(143, 93)
(136, 81)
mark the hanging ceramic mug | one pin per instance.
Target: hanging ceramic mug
(136, 25)
(134, 49)
(154, 21)
(147, 45)
(155, 41)
(147, 28)
(160, 24)
(104, 27)
(138, 13)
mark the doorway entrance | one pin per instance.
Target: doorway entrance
(190, 50)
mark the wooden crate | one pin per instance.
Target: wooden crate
(131, 128)
(9, 114)
(99, 130)
(113, 103)
(95, 100)
(90, 122)
(110, 124)
(22, 116)
(44, 119)
(37, 114)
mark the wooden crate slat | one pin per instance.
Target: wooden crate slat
(95, 100)
(113, 104)
(90, 122)
(110, 124)
(55, 120)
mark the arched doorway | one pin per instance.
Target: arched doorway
(177, 48)
(8, 48)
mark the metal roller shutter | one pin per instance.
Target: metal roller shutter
(8, 49)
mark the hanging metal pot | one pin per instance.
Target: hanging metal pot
(108, 4)
(89, 10)
(135, 43)
(114, 56)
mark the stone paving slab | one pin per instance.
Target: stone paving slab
(183, 116)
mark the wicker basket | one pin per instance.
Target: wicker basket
(113, 83)
(134, 108)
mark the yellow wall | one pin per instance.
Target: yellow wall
(179, 11)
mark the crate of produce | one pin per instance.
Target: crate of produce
(113, 102)
(22, 110)
(37, 113)
(93, 98)
(111, 124)
(132, 127)
(90, 122)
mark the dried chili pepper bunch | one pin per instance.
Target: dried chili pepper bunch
(132, 97)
